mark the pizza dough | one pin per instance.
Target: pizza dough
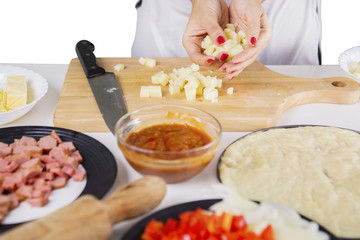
(313, 169)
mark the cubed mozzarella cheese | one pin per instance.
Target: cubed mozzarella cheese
(119, 67)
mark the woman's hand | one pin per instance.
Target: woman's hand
(208, 17)
(250, 16)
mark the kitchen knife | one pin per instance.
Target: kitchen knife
(104, 85)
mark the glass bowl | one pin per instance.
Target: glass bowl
(173, 165)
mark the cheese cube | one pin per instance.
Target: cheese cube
(230, 90)
(174, 89)
(144, 92)
(210, 93)
(190, 93)
(149, 62)
(16, 91)
(210, 50)
(229, 44)
(195, 67)
(160, 78)
(207, 42)
(235, 51)
(155, 91)
(142, 61)
(119, 67)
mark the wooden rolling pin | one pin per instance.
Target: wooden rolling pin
(88, 218)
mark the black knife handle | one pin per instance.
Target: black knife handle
(85, 52)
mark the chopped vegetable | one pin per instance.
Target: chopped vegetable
(202, 225)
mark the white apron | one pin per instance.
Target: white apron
(296, 27)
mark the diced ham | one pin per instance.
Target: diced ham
(47, 158)
(39, 182)
(30, 170)
(24, 192)
(68, 147)
(59, 182)
(47, 176)
(42, 192)
(11, 167)
(71, 162)
(55, 136)
(37, 202)
(31, 163)
(58, 153)
(16, 143)
(32, 150)
(3, 145)
(5, 151)
(14, 200)
(68, 170)
(3, 164)
(79, 175)
(77, 156)
(50, 165)
(18, 149)
(57, 171)
(47, 143)
(9, 183)
(4, 200)
(18, 158)
(28, 141)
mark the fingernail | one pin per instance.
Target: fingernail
(210, 60)
(231, 72)
(220, 39)
(223, 57)
(253, 41)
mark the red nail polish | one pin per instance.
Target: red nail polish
(220, 40)
(210, 60)
(223, 57)
(232, 72)
(253, 41)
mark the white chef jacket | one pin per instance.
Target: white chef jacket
(296, 30)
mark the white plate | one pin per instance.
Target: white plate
(37, 87)
(347, 57)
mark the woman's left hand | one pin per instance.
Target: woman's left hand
(250, 16)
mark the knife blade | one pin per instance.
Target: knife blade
(104, 85)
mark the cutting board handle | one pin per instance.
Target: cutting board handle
(85, 52)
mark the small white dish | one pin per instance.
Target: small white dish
(347, 57)
(37, 87)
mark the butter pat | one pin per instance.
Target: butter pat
(16, 91)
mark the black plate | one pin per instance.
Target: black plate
(332, 237)
(98, 161)
(136, 231)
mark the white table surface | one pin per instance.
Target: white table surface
(346, 116)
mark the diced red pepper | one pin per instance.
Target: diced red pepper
(201, 225)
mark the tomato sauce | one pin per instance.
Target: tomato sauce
(170, 142)
(169, 138)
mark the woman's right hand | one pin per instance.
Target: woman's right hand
(208, 17)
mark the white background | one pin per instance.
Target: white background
(45, 31)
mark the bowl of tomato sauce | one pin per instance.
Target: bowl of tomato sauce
(170, 141)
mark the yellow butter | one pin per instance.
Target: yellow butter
(16, 90)
(2, 101)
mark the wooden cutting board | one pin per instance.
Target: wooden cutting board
(260, 95)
